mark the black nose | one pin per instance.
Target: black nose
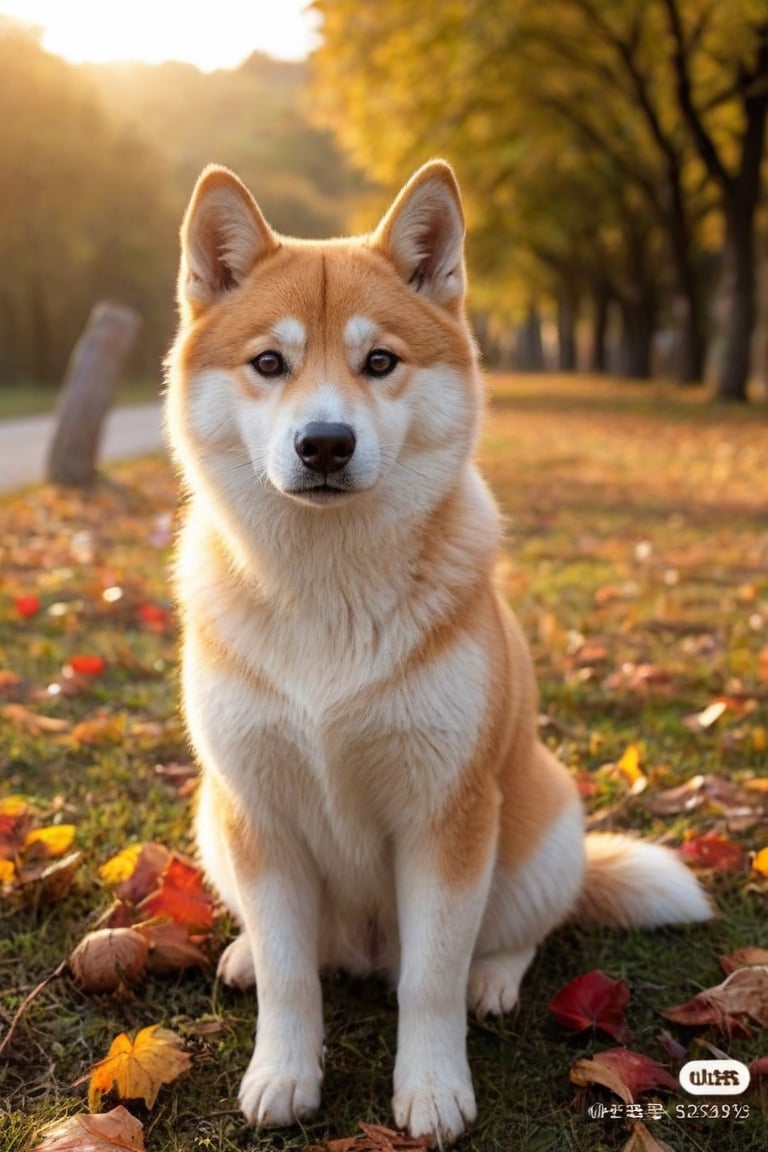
(325, 448)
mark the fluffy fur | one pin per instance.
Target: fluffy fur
(360, 699)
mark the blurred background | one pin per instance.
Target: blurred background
(612, 157)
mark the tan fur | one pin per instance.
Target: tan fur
(360, 699)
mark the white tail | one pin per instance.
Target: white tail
(630, 883)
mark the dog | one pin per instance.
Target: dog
(362, 704)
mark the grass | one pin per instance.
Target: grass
(636, 555)
(31, 399)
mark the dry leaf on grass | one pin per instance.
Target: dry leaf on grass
(111, 1132)
(137, 1069)
(743, 995)
(109, 958)
(643, 1140)
(375, 1138)
(743, 958)
(593, 1000)
(627, 1074)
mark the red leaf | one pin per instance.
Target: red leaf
(713, 851)
(154, 617)
(593, 1000)
(27, 606)
(181, 896)
(86, 665)
(759, 1068)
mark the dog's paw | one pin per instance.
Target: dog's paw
(435, 1108)
(494, 982)
(236, 964)
(490, 991)
(276, 1093)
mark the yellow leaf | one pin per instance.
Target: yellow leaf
(120, 867)
(137, 1069)
(13, 806)
(760, 738)
(54, 840)
(7, 871)
(760, 862)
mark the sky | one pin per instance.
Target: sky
(215, 35)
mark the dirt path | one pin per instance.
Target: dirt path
(24, 443)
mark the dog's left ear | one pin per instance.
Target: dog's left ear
(423, 234)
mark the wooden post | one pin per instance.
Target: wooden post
(87, 393)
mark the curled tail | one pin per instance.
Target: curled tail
(630, 883)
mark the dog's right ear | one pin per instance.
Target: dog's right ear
(223, 236)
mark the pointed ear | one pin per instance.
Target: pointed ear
(223, 236)
(423, 234)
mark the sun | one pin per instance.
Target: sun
(221, 36)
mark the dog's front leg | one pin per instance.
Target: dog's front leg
(280, 909)
(439, 913)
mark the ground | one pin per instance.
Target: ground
(636, 555)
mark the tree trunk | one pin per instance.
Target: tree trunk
(598, 356)
(89, 385)
(637, 317)
(739, 303)
(530, 349)
(567, 310)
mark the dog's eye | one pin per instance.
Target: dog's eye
(380, 362)
(269, 364)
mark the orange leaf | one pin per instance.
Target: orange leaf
(760, 862)
(743, 958)
(171, 949)
(110, 1132)
(628, 1074)
(181, 896)
(31, 721)
(137, 1069)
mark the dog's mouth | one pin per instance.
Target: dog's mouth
(324, 493)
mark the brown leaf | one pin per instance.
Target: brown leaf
(743, 958)
(33, 722)
(742, 995)
(375, 1138)
(713, 791)
(171, 948)
(109, 1132)
(137, 1069)
(108, 958)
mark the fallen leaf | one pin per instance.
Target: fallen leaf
(716, 792)
(375, 1138)
(743, 958)
(149, 863)
(642, 1140)
(707, 717)
(87, 665)
(626, 1073)
(106, 1133)
(760, 862)
(122, 866)
(27, 606)
(32, 721)
(758, 1068)
(629, 767)
(593, 1000)
(181, 896)
(47, 882)
(109, 958)
(101, 728)
(742, 995)
(137, 1069)
(676, 1051)
(171, 948)
(712, 851)
(53, 840)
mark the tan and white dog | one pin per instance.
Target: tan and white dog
(362, 704)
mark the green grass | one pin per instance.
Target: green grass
(31, 399)
(636, 539)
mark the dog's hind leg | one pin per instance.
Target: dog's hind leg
(494, 981)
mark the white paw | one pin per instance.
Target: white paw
(435, 1107)
(275, 1093)
(236, 964)
(492, 989)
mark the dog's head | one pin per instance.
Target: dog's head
(317, 372)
